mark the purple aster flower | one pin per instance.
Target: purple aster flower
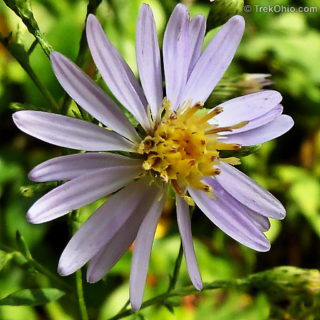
(180, 147)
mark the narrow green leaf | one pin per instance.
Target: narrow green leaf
(32, 297)
(22, 9)
(23, 247)
(169, 306)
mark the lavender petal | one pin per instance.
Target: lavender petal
(108, 256)
(262, 223)
(141, 253)
(90, 96)
(259, 121)
(69, 132)
(249, 193)
(247, 107)
(213, 62)
(175, 54)
(115, 72)
(81, 191)
(229, 215)
(73, 166)
(148, 59)
(196, 33)
(184, 224)
(269, 131)
(102, 228)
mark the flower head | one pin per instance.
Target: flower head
(180, 147)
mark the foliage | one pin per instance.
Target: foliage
(285, 45)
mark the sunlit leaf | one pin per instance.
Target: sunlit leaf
(5, 257)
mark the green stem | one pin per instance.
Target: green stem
(74, 224)
(23, 10)
(37, 266)
(42, 88)
(237, 283)
(125, 306)
(176, 269)
(40, 268)
(19, 53)
(80, 296)
(26, 257)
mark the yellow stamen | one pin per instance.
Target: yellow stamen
(229, 128)
(239, 125)
(183, 148)
(211, 114)
(176, 187)
(231, 160)
(189, 201)
(218, 129)
(191, 111)
(228, 146)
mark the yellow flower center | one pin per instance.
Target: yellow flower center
(184, 148)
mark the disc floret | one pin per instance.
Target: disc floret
(184, 147)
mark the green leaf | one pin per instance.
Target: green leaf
(5, 257)
(304, 192)
(32, 297)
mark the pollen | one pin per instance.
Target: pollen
(183, 148)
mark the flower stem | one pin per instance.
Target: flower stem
(40, 268)
(176, 269)
(22, 57)
(23, 258)
(23, 10)
(235, 283)
(47, 95)
(80, 297)
(83, 314)
(125, 306)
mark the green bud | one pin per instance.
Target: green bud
(222, 10)
(231, 87)
(293, 293)
(243, 152)
(27, 191)
(287, 282)
(253, 82)
(30, 190)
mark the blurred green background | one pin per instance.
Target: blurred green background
(286, 45)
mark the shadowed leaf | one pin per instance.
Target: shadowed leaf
(32, 297)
